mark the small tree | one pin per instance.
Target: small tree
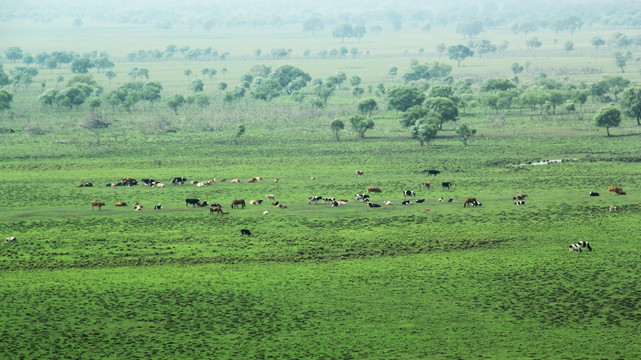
(175, 101)
(608, 117)
(569, 46)
(197, 85)
(187, 73)
(357, 92)
(459, 53)
(631, 103)
(621, 59)
(360, 124)
(337, 126)
(5, 99)
(425, 130)
(110, 75)
(464, 132)
(240, 131)
(367, 106)
(596, 42)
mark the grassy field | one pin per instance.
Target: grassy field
(315, 281)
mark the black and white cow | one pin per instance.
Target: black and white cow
(520, 202)
(408, 193)
(178, 180)
(408, 202)
(585, 245)
(10, 239)
(372, 205)
(592, 193)
(158, 207)
(362, 197)
(314, 199)
(329, 200)
(148, 182)
(446, 184)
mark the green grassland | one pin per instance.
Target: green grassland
(314, 281)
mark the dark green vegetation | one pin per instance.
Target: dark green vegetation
(432, 280)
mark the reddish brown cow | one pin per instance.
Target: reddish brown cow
(469, 201)
(373, 189)
(99, 204)
(215, 208)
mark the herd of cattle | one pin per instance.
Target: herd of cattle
(408, 198)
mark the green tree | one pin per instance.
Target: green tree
(342, 31)
(202, 100)
(357, 92)
(631, 103)
(367, 106)
(516, 69)
(459, 53)
(175, 101)
(187, 73)
(596, 42)
(405, 97)
(151, 91)
(621, 59)
(464, 132)
(13, 53)
(355, 80)
(360, 124)
(569, 46)
(440, 48)
(533, 43)
(313, 24)
(94, 102)
(444, 108)
(413, 114)
(608, 117)
(470, 29)
(197, 85)
(265, 88)
(81, 65)
(484, 47)
(240, 131)
(323, 91)
(337, 126)
(110, 75)
(290, 78)
(425, 129)
(6, 98)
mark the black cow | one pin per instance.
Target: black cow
(433, 172)
(371, 204)
(408, 193)
(87, 185)
(178, 180)
(420, 201)
(446, 184)
(193, 202)
(592, 193)
(245, 232)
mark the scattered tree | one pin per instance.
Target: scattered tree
(459, 53)
(464, 132)
(596, 42)
(13, 53)
(367, 106)
(197, 85)
(569, 46)
(631, 103)
(175, 101)
(360, 124)
(621, 59)
(444, 108)
(608, 117)
(337, 126)
(425, 129)
(405, 97)
(533, 44)
(6, 98)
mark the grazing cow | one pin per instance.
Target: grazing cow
(425, 185)
(312, 178)
(519, 197)
(408, 202)
(329, 200)
(584, 245)
(408, 193)
(314, 199)
(372, 205)
(237, 203)
(446, 184)
(575, 247)
(622, 193)
(361, 197)
(202, 204)
(223, 180)
(192, 202)
(148, 182)
(265, 212)
(10, 239)
(428, 209)
(138, 207)
(256, 202)
(387, 202)
(236, 181)
(358, 172)
(612, 208)
(520, 202)
(420, 201)
(121, 203)
(470, 201)
(276, 180)
(433, 172)
(194, 182)
(99, 204)
(245, 232)
(614, 189)
(450, 200)
(215, 208)
(274, 203)
(373, 189)
(440, 199)
(592, 193)
(282, 206)
(252, 180)
(158, 207)
(178, 180)
(270, 196)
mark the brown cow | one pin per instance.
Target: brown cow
(215, 208)
(252, 180)
(223, 180)
(470, 201)
(121, 203)
(256, 202)
(276, 180)
(425, 185)
(613, 208)
(614, 189)
(238, 202)
(99, 204)
(373, 189)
